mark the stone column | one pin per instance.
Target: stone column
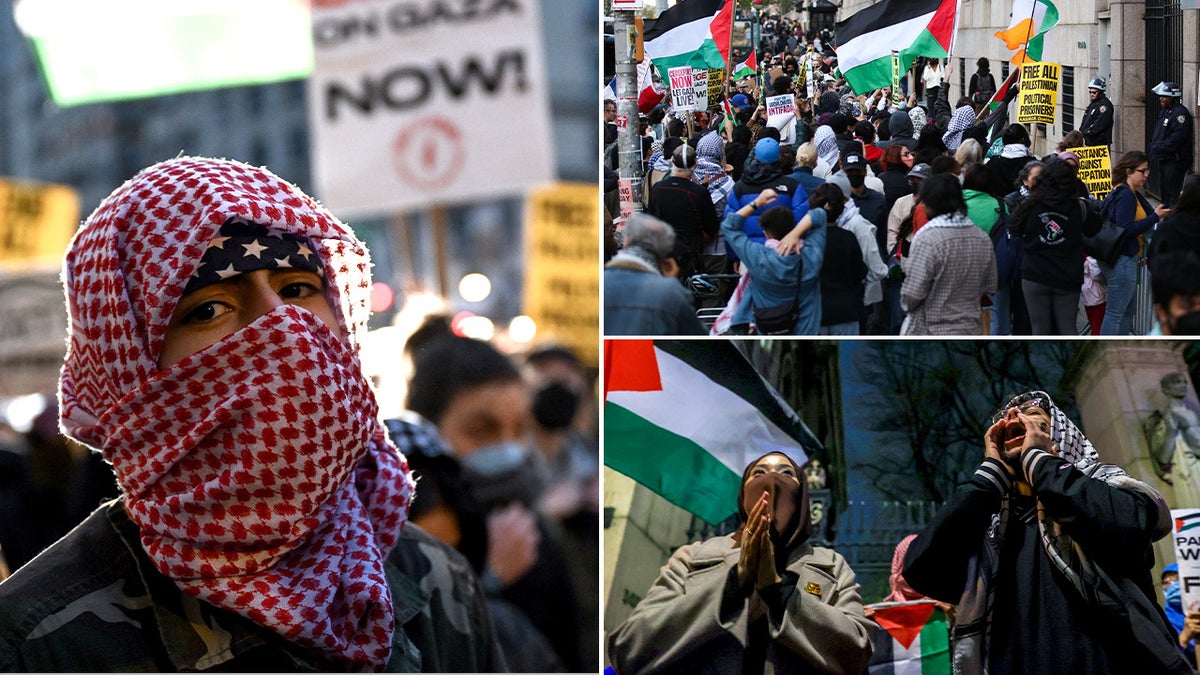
(1127, 88)
(1117, 385)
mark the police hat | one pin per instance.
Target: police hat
(1098, 84)
(1168, 89)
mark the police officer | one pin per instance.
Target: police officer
(1171, 143)
(1098, 118)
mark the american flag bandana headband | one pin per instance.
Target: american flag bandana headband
(241, 246)
(256, 469)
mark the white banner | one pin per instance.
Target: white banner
(418, 102)
(1186, 533)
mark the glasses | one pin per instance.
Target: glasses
(1025, 403)
(1144, 172)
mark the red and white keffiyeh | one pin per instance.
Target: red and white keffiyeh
(257, 470)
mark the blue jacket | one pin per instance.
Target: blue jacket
(637, 302)
(773, 277)
(755, 179)
(1121, 210)
(804, 176)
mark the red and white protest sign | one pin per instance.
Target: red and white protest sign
(683, 88)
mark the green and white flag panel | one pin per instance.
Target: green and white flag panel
(684, 418)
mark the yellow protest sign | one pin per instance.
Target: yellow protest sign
(1039, 93)
(36, 222)
(562, 273)
(1095, 169)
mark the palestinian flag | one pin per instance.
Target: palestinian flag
(747, 68)
(997, 99)
(684, 418)
(1031, 19)
(912, 27)
(692, 33)
(915, 639)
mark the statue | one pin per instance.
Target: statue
(1173, 433)
(815, 475)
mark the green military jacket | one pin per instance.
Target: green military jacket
(94, 602)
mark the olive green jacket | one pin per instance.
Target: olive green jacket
(94, 602)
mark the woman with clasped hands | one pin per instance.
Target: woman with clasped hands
(762, 598)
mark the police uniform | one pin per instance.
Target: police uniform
(1098, 122)
(1171, 145)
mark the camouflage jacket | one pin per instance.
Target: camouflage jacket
(94, 602)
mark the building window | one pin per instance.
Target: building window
(1068, 98)
(962, 79)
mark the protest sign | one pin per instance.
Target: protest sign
(810, 82)
(716, 79)
(625, 195)
(398, 121)
(897, 97)
(700, 84)
(779, 105)
(683, 88)
(1095, 169)
(1039, 93)
(1186, 535)
(37, 221)
(562, 279)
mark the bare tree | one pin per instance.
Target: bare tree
(932, 403)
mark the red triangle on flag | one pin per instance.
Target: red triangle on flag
(905, 622)
(630, 365)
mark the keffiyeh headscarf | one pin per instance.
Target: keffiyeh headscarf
(256, 469)
(917, 115)
(901, 591)
(962, 119)
(826, 142)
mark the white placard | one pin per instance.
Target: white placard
(700, 84)
(1186, 535)
(400, 121)
(683, 88)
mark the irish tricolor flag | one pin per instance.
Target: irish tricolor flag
(915, 639)
(684, 418)
(1031, 19)
(692, 33)
(912, 27)
(747, 68)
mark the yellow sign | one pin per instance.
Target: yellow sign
(562, 277)
(1095, 169)
(37, 221)
(1039, 93)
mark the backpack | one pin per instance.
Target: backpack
(1010, 248)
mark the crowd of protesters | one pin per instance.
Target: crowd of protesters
(1012, 243)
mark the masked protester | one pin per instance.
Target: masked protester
(1047, 553)
(215, 319)
(762, 599)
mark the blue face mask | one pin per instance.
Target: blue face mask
(1173, 596)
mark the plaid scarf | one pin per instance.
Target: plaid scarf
(256, 469)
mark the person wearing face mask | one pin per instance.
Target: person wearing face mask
(213, 359)
(480, 406)
(762, 599)
(1047, 553)
(638, 298)
(1175, 289)
(1186, 624)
